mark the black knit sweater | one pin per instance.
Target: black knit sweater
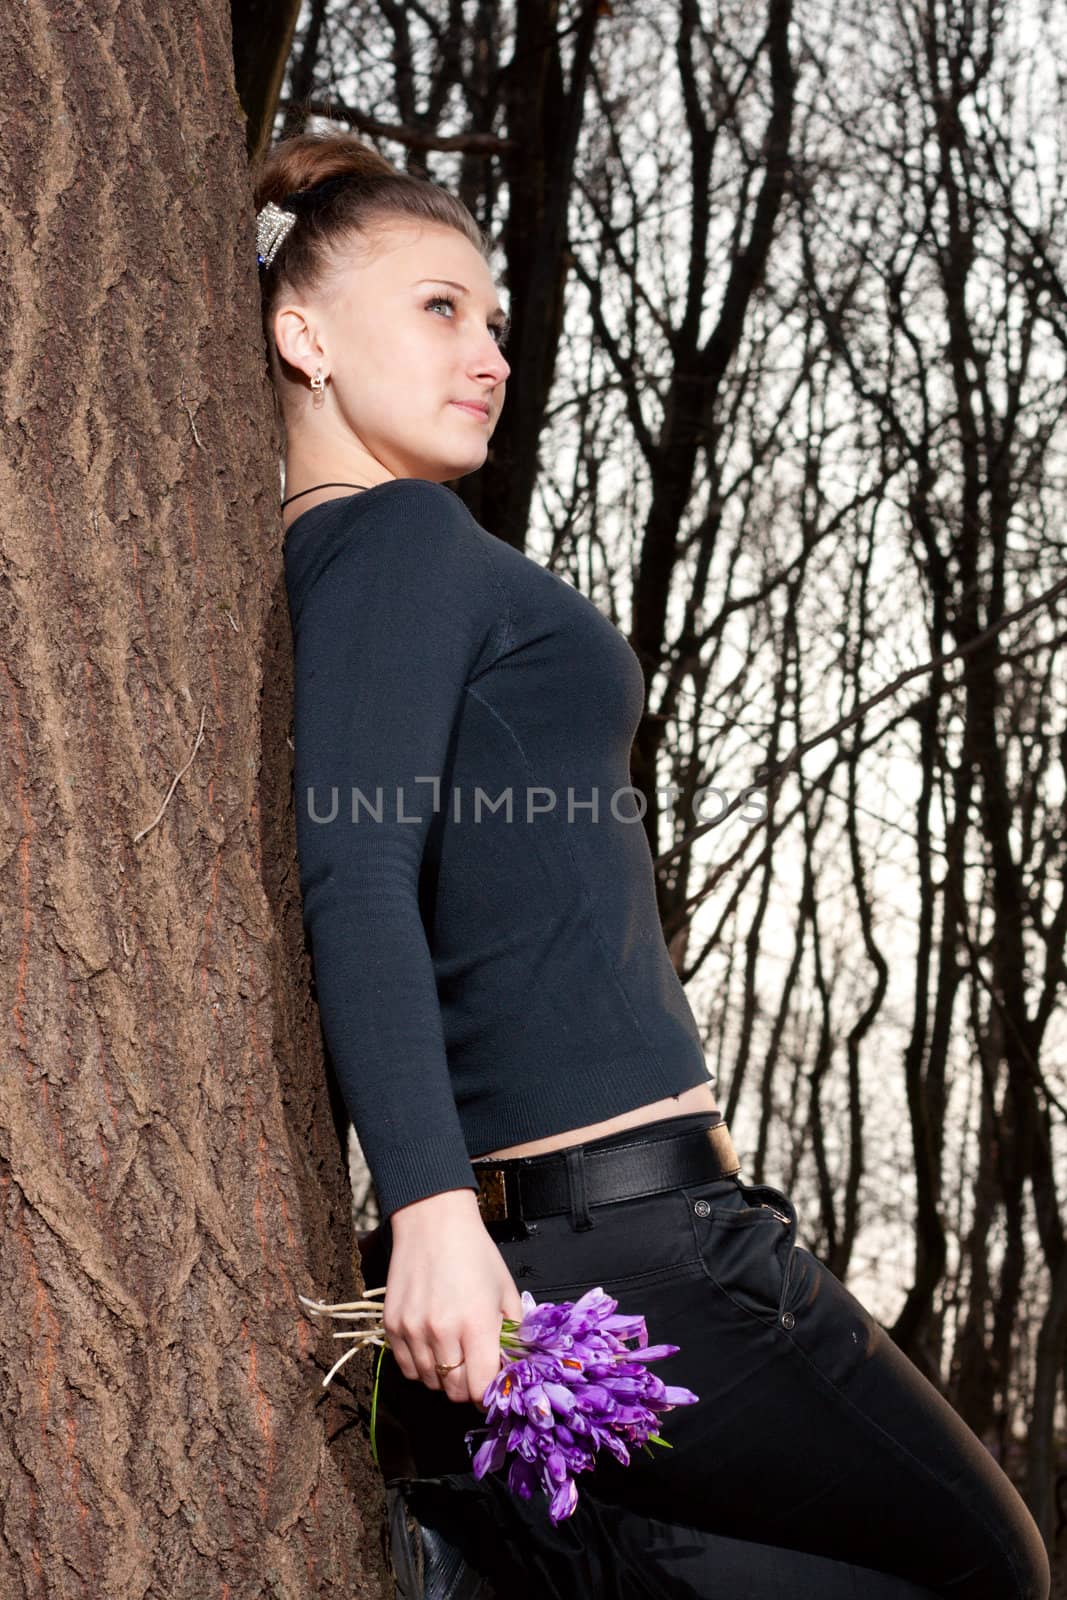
(477, 885)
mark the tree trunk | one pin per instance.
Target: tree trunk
(262, 37)
(170, 1172)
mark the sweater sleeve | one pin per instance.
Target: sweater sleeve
(401, 613)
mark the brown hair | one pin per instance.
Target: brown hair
(366, 191)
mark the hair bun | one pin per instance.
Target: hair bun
(302, 199)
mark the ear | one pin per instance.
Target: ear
(297, 338)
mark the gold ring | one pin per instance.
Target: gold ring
(442, 1367)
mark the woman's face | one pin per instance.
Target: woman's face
(404, 366)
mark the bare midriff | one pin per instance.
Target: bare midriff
(701, 1097)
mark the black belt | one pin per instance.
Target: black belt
(539, 1186)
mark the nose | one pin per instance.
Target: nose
(490, 364)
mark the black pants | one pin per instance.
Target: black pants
(819, 1461)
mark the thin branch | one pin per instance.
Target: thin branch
(792, 759)
(471, 144)
(174, 781)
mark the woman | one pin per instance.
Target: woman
(517, 1054)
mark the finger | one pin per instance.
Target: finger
(456, 1384)
(407, 1354)
(426, 1364)
(483, 1365)
(455, 1380)
(511, 1297)
(401, 1354)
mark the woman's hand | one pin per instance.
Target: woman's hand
(446, 1294)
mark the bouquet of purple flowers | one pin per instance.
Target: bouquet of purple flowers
(568, 1385)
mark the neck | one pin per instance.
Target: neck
(315, 461)
(306, 466)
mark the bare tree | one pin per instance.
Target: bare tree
(944, 329)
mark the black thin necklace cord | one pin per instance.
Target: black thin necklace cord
(315, 486)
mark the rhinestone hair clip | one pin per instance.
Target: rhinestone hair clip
(272, 229)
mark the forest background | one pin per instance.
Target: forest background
(789, 364)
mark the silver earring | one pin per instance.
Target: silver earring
(318, 389)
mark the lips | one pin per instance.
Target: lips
(477, 408)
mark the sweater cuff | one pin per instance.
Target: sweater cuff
(410, 1172)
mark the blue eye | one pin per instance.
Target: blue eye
(450, 300)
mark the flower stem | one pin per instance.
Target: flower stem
(374, 1405)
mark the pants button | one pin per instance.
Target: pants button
(788, 1319)
(702, 1208)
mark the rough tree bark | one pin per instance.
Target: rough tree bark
(170, 1171)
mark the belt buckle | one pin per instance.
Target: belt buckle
(498, 1202)
(721, 1145)
(493, 1194)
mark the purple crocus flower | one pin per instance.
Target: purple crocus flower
(568, 1387)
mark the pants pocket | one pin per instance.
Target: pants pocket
(746, 1241)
